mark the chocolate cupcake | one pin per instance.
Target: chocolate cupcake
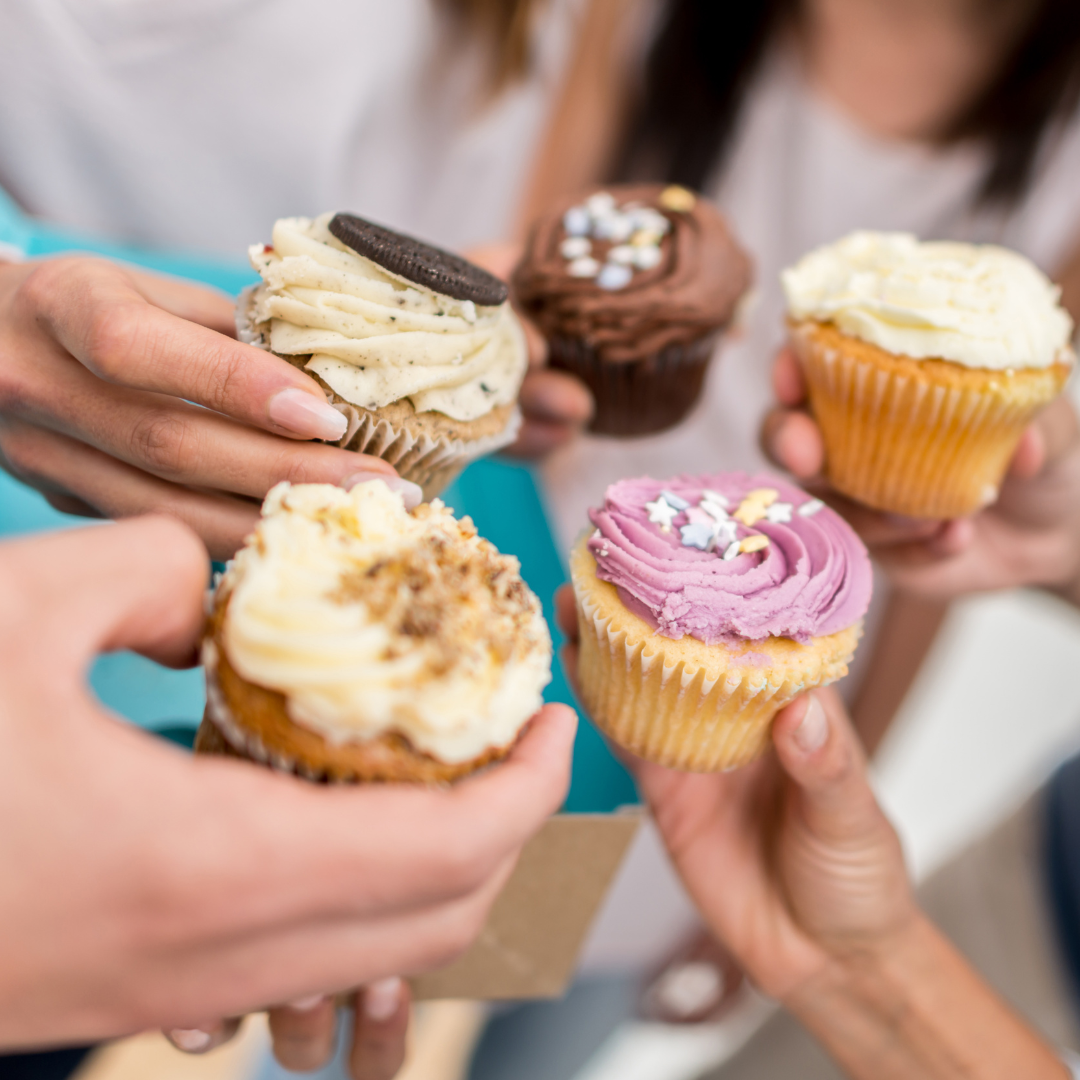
(352, 640)
(631, 287)
(417, 347)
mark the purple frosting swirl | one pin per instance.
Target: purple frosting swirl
(812, 579)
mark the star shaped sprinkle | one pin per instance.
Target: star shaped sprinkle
(698, 536)
(757, 542)
(662, 513)
(809, 509)
(754, 506)
(779, 513)
(674, 500)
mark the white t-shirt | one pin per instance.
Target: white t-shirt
(196, 123)
(802, 174)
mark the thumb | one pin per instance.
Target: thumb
(820, 752)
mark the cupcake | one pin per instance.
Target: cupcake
(631, 287)
(352, 640)
(418, 348)
(706, 604)
(924, 362)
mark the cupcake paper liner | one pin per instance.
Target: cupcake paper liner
(433, 463)
(636, 397)
(902, 437)
(675, 712)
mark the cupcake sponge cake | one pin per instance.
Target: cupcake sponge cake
(353, 640)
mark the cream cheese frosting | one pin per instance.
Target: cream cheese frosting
(374, 337)
(977, 305)
(372, 619)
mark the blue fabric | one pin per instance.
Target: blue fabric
(503, 498)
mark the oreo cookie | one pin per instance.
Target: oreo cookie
(418, 262)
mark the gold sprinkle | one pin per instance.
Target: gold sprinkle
(677, 199)
(752, 508)
(646, 238)
(753, 543)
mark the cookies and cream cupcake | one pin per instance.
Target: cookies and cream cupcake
(417, 347)
(630, 287)
(706, 604)
(351, 639)
(924, 363)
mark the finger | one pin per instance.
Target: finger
(538, 438)
(789, 382)
(498, 259)
(1030, 455)
(793, 441)
(303, 1033)
(112, 489)
(69, 504)
(1051, 435)
(566, 612)
(98, 315)
(556, 397)
(380, 1029)
(137, 586)
(186, 300)
(202, 1040)
(535, 343)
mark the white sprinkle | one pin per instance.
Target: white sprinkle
(614, 277)
(714, 497)
(624, 255)
(675, 500)
(779, 513)
(809, 509)
(575, 247)
(651, 220)
(584, 268)
(615, 227)
(577, 221)
(661, 512)
(647, 258)
(597, 534)
(731, 551)
(603, 202)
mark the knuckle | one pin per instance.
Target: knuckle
(163, 442)
(461, 867)
(213, 382)
(109, 340)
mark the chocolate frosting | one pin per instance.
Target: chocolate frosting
(691, 292)
(811, 579)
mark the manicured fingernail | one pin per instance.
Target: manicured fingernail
(307, 1004)
(190, 1040)
(812, 733)
(306, 415)
(382, 998)
(411, 493)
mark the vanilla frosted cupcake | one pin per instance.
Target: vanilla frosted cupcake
(418, 348)
(706, 604)
(925, 362)
(353, 640)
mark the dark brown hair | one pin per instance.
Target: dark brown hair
(706, 54)
(505, 28)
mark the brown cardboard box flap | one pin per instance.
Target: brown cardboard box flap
(530, 943)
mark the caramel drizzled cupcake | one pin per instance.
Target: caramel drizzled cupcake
(631, 287)
(417, 347)
(352, 640)
(924, 362)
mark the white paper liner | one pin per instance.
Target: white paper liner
(431, 463)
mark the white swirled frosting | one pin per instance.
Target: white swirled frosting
(977, 305)
(376, 338)
(371, 619)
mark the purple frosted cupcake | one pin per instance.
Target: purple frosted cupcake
(706, 604)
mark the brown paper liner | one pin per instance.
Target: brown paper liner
(636, 397)
(684, 704)
(431, 460)
(926, 438)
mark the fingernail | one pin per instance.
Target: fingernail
(306, 415)
(412, 494)
(902, 521)
(812, 733)
(190, 1040)
(307, 1004)
(381, 999)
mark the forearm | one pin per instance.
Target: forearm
(920, 1012)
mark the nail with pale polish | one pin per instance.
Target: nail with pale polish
(412, 494)
(382, 998)
(190, 1040)
(307, 1004)
(306, 415)
(812, 734)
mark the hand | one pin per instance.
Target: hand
(123, 392)
(147, 888)
(555, 406)
(1030, 536)
(790, 860)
